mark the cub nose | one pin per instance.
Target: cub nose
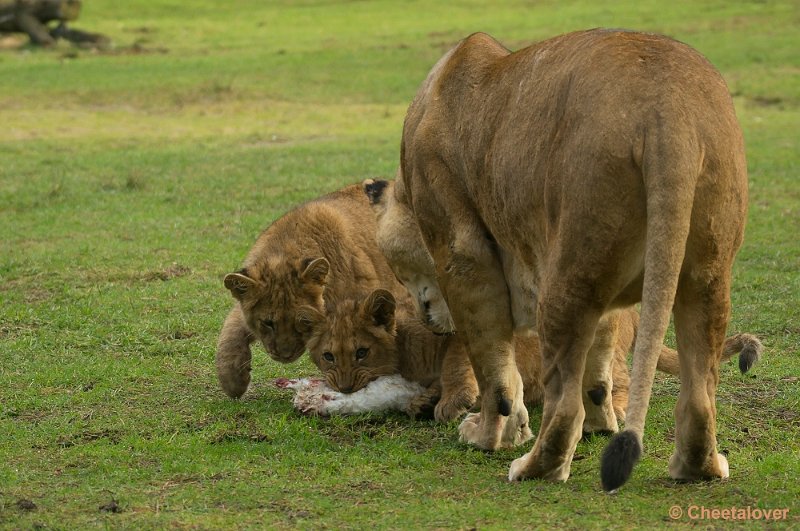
(346, 390)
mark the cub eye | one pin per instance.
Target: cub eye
(362, 353)
(268, 324)
(328, 357)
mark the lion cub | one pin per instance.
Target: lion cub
(315, 255)
(363, 339)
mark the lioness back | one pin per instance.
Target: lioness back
(314, 255)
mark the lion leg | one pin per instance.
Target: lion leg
(423, 405)
(459, 385)
(233, 354)
(503, 419)
(567, 330)
(472, 275)
(701, 313)
(622, 383)
(598, 378)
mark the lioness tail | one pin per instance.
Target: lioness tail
(669, 177)
(748, 347)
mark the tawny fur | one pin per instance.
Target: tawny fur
(557, 184)
(315, 255)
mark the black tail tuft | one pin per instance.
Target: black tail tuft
(619, 457)
(749, 356)
(374, 190)
(749, 348)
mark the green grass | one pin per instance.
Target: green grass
(132, 180)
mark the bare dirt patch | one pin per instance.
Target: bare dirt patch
(766, 101)
(26, 505)
(173, 271)
(111, 507)
(67, 441)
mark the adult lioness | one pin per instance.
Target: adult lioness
(555, 184)
(363, 339)
(314, 255)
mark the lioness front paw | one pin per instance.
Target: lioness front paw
(470, 431)
(526, 467)
(718, 469)
(497, 432)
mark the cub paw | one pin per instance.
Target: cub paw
(423, 406)
(452, 407)
(600, 420)
(233, 376)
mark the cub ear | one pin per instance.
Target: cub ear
(308, 318)
(374, 190)
(379, 307)
(316, 271)
(239, 284)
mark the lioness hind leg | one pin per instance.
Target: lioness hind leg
(701, 318)
(566, 332)
(598, 379)
(233, 354)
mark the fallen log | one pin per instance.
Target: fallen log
(33, 16)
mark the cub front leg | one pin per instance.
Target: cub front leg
(234, 355)
(422, 405)
(459, 386)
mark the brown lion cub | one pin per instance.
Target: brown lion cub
(361, 340)
(319, 253)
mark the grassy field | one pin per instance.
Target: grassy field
(133, 179)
